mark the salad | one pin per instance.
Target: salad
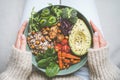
(57, 38)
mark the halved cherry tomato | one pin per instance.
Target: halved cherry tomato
(58, 47)
(64, 42)
(66, 48)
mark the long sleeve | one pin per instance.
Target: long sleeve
(19, 66)
(100, 67)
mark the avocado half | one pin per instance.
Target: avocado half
(80, 38)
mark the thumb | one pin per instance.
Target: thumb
(95, 41)
(23, 43)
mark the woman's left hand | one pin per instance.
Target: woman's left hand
(98, 39)
(21, 39)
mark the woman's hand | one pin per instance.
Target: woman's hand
(21, 39)
(98, 40)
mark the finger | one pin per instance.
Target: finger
(20, 32)
(97, 30)
(103, 43)
(94, 27)
(23, 43)
(17, 43)
(95, 41)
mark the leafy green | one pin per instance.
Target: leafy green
(73, 19)
(52, 69)
(73, 13)
(56, 10)
(43, 63)
(45, 12)
(33, 21)
(47, 61)
(52, 20)
(70, 14)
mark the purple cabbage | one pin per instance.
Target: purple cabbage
(66, 26)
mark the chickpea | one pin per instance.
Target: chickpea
(48, 38)
(47, 28)
(40, 47)
(67, 66)
(44, 32)
(60, 37)
(49, 46)
(32, 46)
(59, 31)
(37, 42)
(58, 24)
(33, 32)
(43, 39)
(28, 38)
(66, 37)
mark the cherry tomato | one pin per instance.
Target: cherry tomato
(64, 42)
(66, 48)
(58, 47)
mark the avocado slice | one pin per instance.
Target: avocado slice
(80, 38)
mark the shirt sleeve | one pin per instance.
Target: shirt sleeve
(100, 67)
(19, 65)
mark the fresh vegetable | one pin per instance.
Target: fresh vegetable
(66, 48)
(33, 22)
(51, 20)
(45, 12)
(52, 69)
(47, 61)
(43, 63)
(69, 14)
(80, 38)
(68, 55)
(60, 37)
(66, 26)
(64, 41)
(64, 54)
(56, 10)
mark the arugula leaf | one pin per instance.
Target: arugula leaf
(52, 69)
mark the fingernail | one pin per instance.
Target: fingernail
(23, 36)
(96, 34)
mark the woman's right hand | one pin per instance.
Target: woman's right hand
(21, 39)
(98, 39)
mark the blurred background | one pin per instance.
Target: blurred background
(11, 14)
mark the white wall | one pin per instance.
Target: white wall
(109, 14)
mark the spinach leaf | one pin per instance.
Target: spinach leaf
(43, 63)
(52, 69)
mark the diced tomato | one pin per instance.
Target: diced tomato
(58, 47)
(66, 48)
(64, 42)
